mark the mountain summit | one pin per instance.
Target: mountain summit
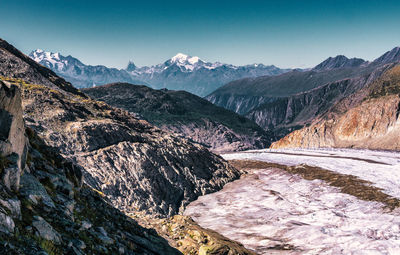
(391, 56)
(339, 62)
(182, 58)
(79, 74)
(131, 66)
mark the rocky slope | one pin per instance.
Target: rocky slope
(186, 114)
(45, 209)
(287, 114)
(136, 165)
(290, 101)
(244, 95)
(367, 119)
(181, 72)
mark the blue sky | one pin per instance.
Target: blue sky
(283, 33)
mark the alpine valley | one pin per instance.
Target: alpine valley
(81, 177)
(192, 157)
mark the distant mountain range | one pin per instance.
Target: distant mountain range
(294, 99)
(181, 72)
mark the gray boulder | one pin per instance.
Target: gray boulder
(45, 230)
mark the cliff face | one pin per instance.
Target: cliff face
(137, 166)
(185, 114)
(367, 119)
(44, 209)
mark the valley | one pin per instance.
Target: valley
(186, 156)
(327, 201)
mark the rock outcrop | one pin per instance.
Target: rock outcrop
(12, 139)
(134, 164)
(185, 114)
(367, 119)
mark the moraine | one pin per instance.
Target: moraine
(271, 210)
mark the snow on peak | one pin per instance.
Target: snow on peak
(180, 57)
(186, 61)
(49, 59)
(193, 60)
(183, 58)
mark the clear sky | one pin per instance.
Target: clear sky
(283, 33)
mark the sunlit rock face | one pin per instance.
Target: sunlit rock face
(274, 211)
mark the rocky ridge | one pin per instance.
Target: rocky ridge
(339, 62)
(186, 114)
(45, 208)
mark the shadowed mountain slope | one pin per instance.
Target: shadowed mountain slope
(186, 114)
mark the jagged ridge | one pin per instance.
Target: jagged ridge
(181, 72)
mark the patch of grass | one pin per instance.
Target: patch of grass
(99, 192)
(47, 246)
(348, 184)
(388, 84)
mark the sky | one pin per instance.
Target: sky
(284, 33)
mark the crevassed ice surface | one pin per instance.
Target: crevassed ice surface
(270, 208)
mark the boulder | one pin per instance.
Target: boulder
(45, 230)
(13, 142)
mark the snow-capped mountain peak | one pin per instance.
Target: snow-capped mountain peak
(181, 72)
(185, 62)
(181, 58)
(47, 58)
